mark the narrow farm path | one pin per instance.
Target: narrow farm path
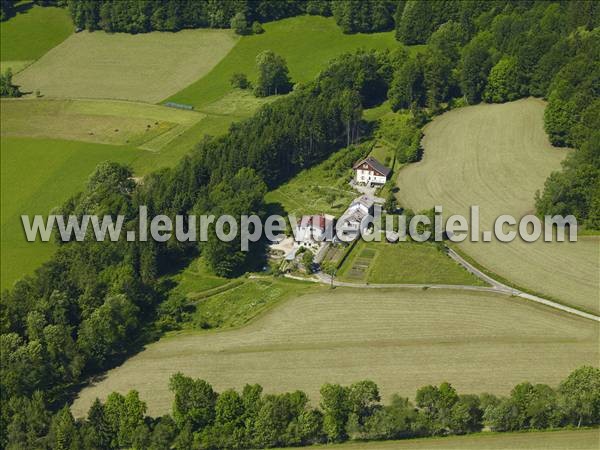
(495, 286)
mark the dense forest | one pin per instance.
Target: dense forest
(95, 302)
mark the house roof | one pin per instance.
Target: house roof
(363, 200)
(316, 221)
(375, 165)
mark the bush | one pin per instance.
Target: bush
(257, 28)
(239, 24)
(239, 80)
(7, 89)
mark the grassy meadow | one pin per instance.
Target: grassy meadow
(30, 33)
(401, 339)
(322, 188)
(294, 38)
(497, 156)
(243, 300)
(145, 67)
(49, 171)
(403, 262)
(587, 439)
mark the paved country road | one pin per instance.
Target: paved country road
(495, 286)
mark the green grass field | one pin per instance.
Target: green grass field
(144, 67)
(401, 339)
(247, 299)
(292, 38)
(497, 156)
(403, 262)
(30, 33)
(37, 175)
(588, 439)
(197, 278)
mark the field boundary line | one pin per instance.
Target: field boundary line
(325, 279)
(490, 277)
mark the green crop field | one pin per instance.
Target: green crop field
(30, 33)
(546, 440)
(401, 339)
(292, 38)
(37, 175)
(145, 67)
(497, 156)
(403, 262)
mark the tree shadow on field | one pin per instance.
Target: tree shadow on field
(23, 8)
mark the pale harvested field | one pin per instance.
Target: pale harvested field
(147, 67)
(401, 339)
(497, 156)
(547, 440)
(115, 122)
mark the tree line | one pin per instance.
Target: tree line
(204, 419)
(140, 16)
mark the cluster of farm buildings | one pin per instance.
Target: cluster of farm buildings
(312, 230)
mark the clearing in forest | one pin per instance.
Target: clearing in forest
(400, 338)
(497, 156)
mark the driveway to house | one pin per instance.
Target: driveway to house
(369, 191)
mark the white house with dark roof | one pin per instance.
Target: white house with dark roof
(370, 171)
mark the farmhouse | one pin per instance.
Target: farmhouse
(311, 230)
(370, 171)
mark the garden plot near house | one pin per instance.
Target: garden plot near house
(403, 263)
(497, 156)
(321, 189)
(401, 339)
(146, 67)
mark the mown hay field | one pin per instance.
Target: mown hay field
(30, 33)
(497, 156)
(38, 175)
(401, 339)
(117, 122)
(588, 439)
(146, 67)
